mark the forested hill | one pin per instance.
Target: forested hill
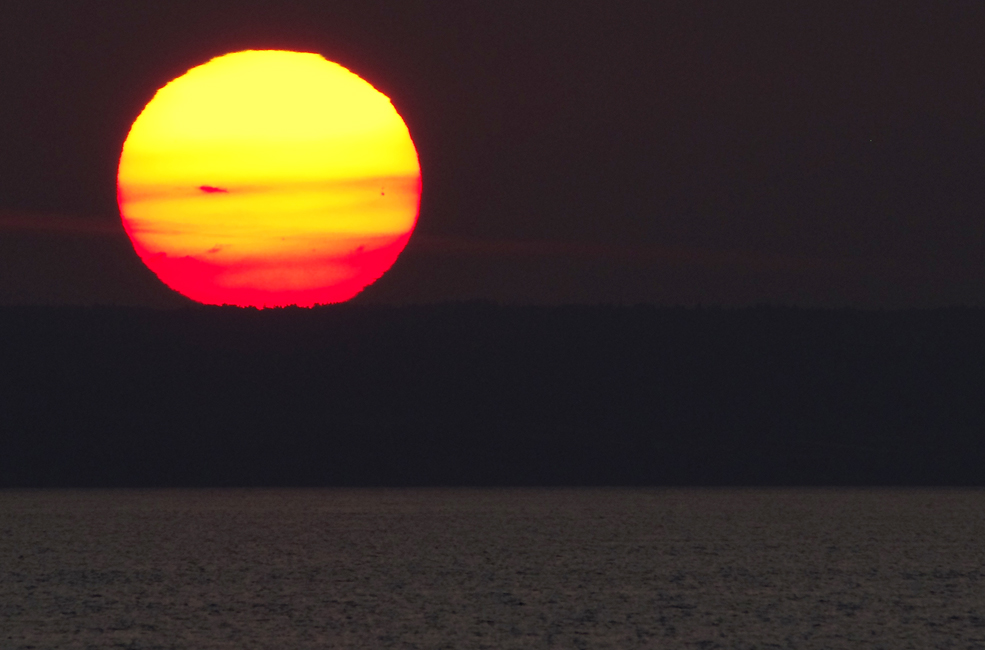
(478, 394)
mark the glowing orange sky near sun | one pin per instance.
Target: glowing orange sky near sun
(269, 178)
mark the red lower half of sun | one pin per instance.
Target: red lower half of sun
(263, 281)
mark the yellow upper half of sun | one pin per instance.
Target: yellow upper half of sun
(301, 148)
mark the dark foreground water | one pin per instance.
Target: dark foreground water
(285, 569)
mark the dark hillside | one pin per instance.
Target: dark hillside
(476, 394)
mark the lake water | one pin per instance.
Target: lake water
(286, 569)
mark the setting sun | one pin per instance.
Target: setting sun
(269, 178)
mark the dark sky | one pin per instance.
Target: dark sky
(806, 153)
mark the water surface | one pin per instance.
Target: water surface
(286, 569)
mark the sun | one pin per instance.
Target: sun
(269, 178)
